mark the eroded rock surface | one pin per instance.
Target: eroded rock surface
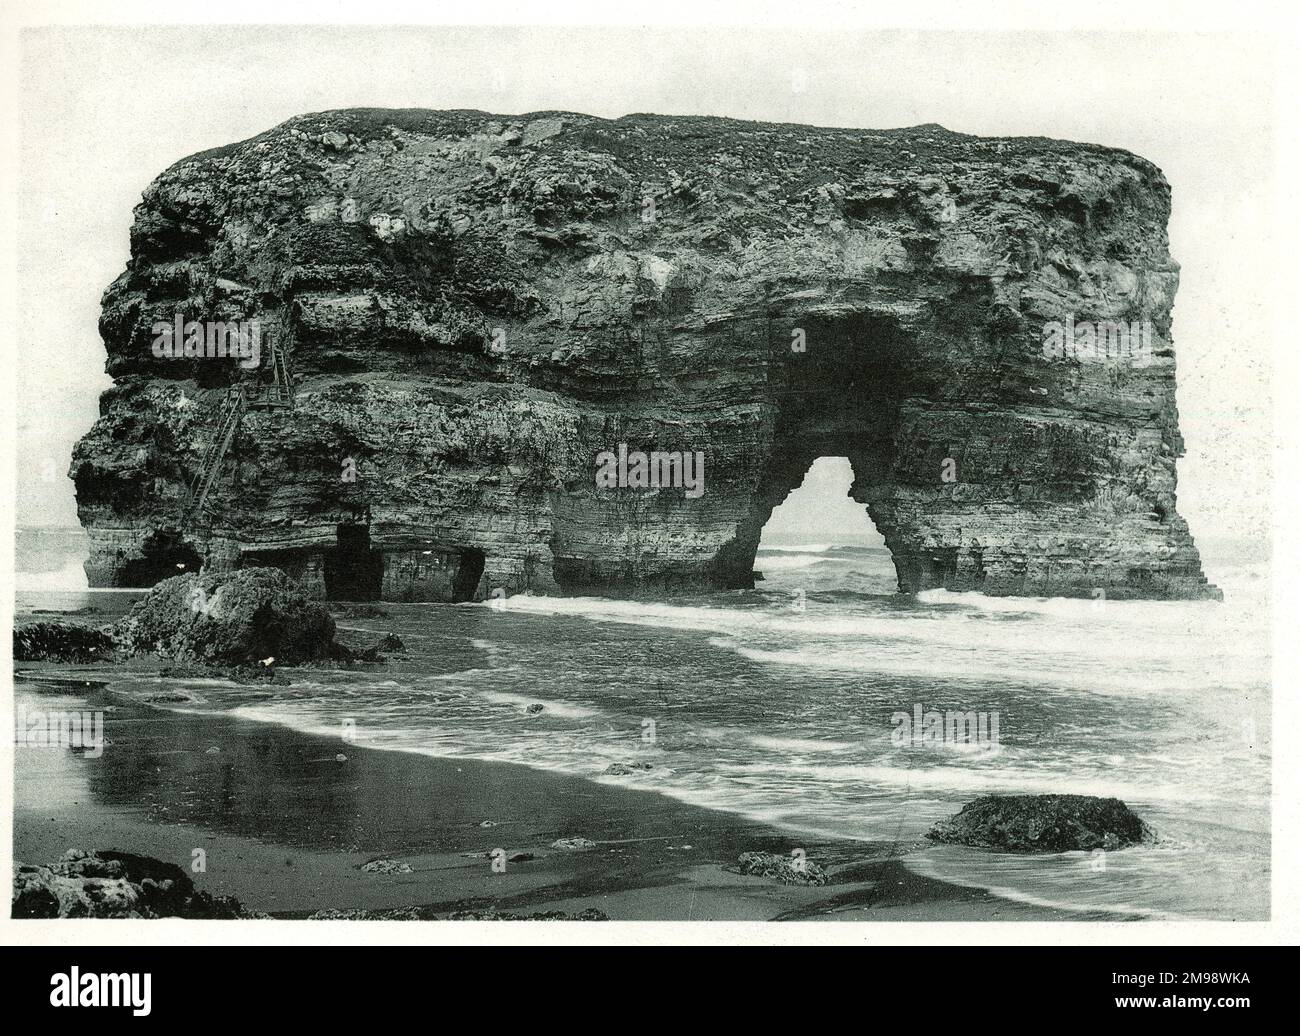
(255, 617)
(473, 307)
(108, 883)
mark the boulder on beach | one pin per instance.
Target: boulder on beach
(108, 883)
(1043, 824)
(53, 641)
(240, 618)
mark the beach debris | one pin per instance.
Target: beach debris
(50, 641)
(1043, 824)
(214, 750)
(794, 869)
(623, 769)
(491, 914)
(340, 758)
(268, 661)
(386, 866)
(534, 708)
(488, 823)
(398, 914)
(573, 845)
(108, 883)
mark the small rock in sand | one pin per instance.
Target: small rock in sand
(386, 867)
(573, 845)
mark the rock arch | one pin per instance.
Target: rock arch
(479, 306)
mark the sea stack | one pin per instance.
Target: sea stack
(459, 312)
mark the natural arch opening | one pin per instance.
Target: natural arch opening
(820, 535)
(468, 574)
(354, 572)
(839, 395)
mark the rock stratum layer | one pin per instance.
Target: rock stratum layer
(474, 307)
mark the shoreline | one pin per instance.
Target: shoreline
(284, 826)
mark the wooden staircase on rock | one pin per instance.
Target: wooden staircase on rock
(279, 395)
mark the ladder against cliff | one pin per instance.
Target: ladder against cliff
(281, 394)
(232, 412)
(277, 396)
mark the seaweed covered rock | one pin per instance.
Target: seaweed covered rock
(572, 845)
(1043, 824)
(108, 883)
(60, 642)
(393, 914)
(492, 914)
(386, 866)
(624, 769)
(788, 870)
(238, 618)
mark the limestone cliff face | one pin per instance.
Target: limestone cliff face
(473, 307)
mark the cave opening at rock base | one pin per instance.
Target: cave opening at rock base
(354, 572)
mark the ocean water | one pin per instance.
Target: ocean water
(780, 704)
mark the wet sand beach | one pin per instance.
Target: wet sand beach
(284, 825)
